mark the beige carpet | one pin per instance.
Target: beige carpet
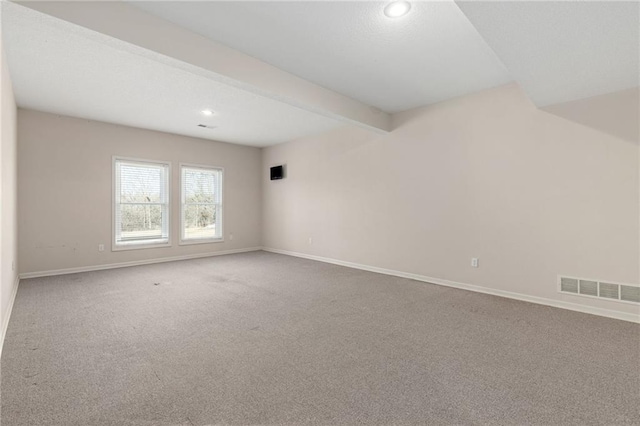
(260, 338)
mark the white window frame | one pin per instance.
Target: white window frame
(141, 244)
(220, 239)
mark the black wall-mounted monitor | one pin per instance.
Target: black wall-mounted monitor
(277, 172)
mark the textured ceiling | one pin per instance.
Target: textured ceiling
(431, 54)
(557, 51)
(560, 51)
(62, 68)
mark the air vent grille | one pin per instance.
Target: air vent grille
(609, 291)
(599, 289)
(206, 126)
(629, 293)
(590, 288)
(569, 285)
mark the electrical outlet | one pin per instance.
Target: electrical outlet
(100, 247)
(474, 262)
(231, 237)
(310, 240)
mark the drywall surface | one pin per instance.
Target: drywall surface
(8, 215)
(65, 190)
(174, 45)
(614, 113)
(489, 176)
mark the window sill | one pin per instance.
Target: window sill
(139, 246)
(207, 241)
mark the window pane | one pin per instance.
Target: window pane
(140, 222)
(141, 202)
(200, 186)
(201, 203)
(200, 221)
(141, 184)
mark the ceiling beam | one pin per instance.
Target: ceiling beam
(163, 41)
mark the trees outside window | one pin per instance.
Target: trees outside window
(201, 206)
(141, 203)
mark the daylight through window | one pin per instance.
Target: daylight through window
(201, 204)
(141, 204)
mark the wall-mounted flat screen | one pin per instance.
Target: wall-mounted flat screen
(277, 172)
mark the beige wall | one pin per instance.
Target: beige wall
(488, 175)
(65, 184)
(614, 113)
(8, 228)
(530, 194)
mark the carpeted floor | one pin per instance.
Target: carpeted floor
(260, 338)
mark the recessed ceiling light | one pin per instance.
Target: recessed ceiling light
(397, 9)
(206, 112)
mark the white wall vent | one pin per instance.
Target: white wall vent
(206, 126)
(568, 285)
(599, 289)
(630, 293)
(609, 291)
(590, 288)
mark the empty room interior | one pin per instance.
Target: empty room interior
(320, 212)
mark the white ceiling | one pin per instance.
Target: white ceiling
(429, 55)
(63, 68)
(560, 51)
(557, 51)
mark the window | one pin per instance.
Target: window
(141, 204)
(201, 209)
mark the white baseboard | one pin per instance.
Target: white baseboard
(479, 289)
(133, 263)
(7, 316)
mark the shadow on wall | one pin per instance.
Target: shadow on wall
(617, 114)
(613, 113)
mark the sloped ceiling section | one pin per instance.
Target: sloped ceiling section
(275, 71)
(112, 62)
(59, 68)
(562, 51)
(429, 55)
